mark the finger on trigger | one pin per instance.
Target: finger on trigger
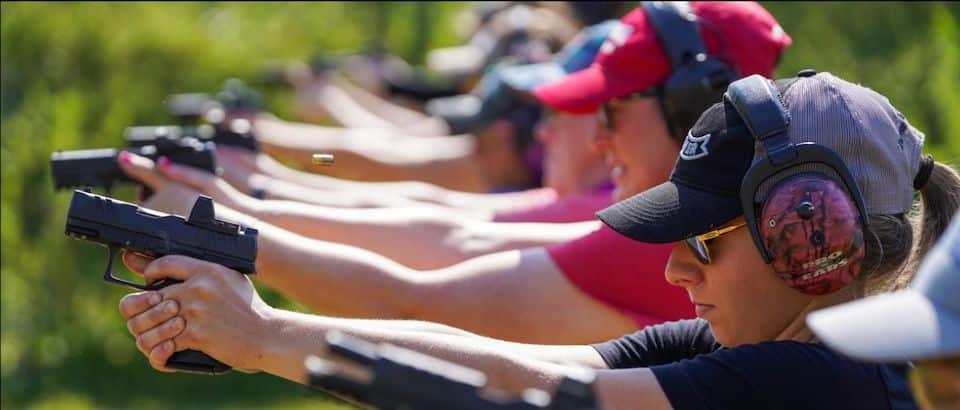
(136, 262)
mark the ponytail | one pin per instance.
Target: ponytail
(889, 243)
(941, 199)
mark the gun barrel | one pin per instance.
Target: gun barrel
(99, 167)
(124, 225)
(238, 133)
(92, 167)
(404, 379)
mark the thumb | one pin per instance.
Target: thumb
(190, 176)
(140, 168)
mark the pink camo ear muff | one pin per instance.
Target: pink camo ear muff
(811, 227)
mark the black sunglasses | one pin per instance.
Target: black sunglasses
(607, 108)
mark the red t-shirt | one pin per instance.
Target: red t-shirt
(624, 274)
(574, 208)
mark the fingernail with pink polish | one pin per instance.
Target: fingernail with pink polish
(125, 157)
(164, 162)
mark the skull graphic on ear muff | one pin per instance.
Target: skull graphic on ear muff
(810, 226)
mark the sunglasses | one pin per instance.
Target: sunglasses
(698, 244)
(935, 383)
(608, 108)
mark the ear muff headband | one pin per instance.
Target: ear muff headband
(677, 31)
(759, 104)
(697, 80)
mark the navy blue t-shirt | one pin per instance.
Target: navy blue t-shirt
(696, 372)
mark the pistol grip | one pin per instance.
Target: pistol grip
(194, 361)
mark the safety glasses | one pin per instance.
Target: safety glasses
(936, 383)
(698, 244)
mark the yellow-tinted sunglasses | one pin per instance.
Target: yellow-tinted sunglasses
(698, 244)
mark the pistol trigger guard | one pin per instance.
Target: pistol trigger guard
(108, 273)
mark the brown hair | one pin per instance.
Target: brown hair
(889, 239)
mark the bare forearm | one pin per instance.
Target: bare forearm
(382, 145)
(345, 110)
(508, 367)
(332, 278)
(402, 118)
(461, 173)
(294, 336)
(414, 190)
(281, 190)
(418, 237)
(420, 190)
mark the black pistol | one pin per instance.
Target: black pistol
(121, 225)
(196, 108)
(399, 378)
(236, 133)
(99, 168)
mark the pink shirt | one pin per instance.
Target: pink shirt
(574, 208)
(624, 274)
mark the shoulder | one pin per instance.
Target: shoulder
(660, 344)
(605, 244)
(624, 274)
(774, 375)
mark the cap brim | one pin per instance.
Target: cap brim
(583, 91)
(888, 328)
(528, 77)
(670, 212)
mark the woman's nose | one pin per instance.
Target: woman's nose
(683, 268)
(601, 143)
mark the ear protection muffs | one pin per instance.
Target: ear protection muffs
(801, 204)
(697, 80)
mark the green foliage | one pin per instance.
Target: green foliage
(909, 52)
(74, 75)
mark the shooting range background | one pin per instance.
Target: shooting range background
(75, 75)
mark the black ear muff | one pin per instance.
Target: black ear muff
(698, 80)
(808, 225)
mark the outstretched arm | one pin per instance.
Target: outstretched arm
(512, 295)
(422, 237)
(217, 311)
(246, 171)
(447, 161)
(354, 107)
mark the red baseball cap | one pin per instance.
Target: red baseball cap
(742, 34)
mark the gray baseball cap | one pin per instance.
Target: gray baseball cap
(920, 322)
(876, 143)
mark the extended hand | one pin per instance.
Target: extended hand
(176, 187)
(215, 310)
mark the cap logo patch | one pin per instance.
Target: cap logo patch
(695, 147)
(618, 35)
